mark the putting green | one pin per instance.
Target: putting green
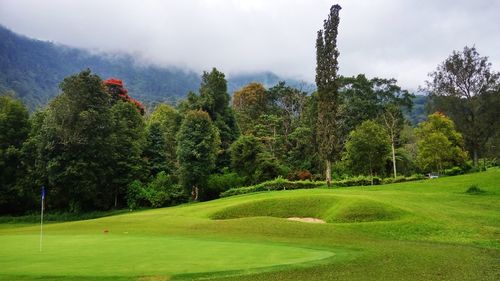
(129, 255)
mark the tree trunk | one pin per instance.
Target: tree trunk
(194, 193)
(116, 199)
(394, 159)
(328, 173)
(475, 156)
(371, 173)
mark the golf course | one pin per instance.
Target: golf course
(424, 230)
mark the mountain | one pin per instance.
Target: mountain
(33, 69)
(418, 112)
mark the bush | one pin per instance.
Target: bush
(477, 169)
(218, 183)
(301, 175)
(267, 167)
(403, 179)
(454, 171)
(135, 197)
(474, 190)
(160, 192)
(358, 181)
(394, 180)
(284, 184)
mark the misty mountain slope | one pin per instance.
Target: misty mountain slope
(33, 69)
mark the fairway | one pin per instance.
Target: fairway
(426, 230)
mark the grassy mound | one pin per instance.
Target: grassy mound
(365, 211)
(310, 206)
(329, 208)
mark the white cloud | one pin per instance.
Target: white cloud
(385, 38)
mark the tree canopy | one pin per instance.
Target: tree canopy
(466, 88)
(439, 144)
(367, 149)
(198, 145)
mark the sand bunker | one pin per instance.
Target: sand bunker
(310, 220)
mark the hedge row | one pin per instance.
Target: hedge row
(403, 179)
(276, 184)
(284, 184)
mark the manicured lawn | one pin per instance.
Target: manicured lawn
(426, 230)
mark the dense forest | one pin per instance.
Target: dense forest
(95, 147)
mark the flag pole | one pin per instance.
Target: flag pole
(41, 218)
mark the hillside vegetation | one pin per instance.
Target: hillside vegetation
(33, 69)
(424, 230)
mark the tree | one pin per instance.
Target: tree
(155, 150)
(327, 85)
(127, 142)
(244, 155)
(34, 162)
(164, 121)
(367, 149)
(439, 144)
(250, 160)
(288, 103)
(393, 120)
(14, 124)
(14, 128)
(406, 154)
(364, 99)
(75, 138)
(268, 130)
(249, 103)
(465, 88)
(267, 167)
(302, 153)
(214, 100)
(197, 148)
(377, 98)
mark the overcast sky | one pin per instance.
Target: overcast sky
(385, 38)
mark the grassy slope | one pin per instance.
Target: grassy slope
(428, 230)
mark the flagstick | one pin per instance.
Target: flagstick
(41, 226)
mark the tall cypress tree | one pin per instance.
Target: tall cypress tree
(328, 97)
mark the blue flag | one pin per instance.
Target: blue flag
(43, 192)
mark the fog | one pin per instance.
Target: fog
(385, 38)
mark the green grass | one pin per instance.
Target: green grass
(425, 230)
(58, 217)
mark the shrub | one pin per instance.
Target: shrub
(477, 169)
(357, 181)
(454, 171)
(474, 190)
(135, 196)
(403, 179)
(160, 192)
(394, 180)
(304, 175)
(284, 184)
(218, 183)
(267, 167)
